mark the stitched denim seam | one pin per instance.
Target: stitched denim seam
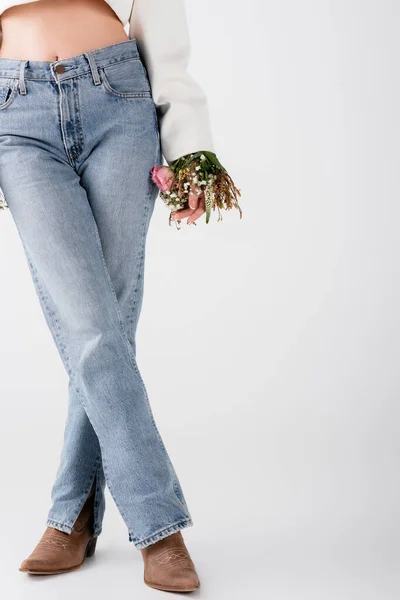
(133, 95)
(59, 525)
(77, 111)
(98, 492)
(85, 495)
(109, 63)
(88, 71)
(80, 74)
(91, 480)
(135, 540)
(107, 85)
(176, 486)
(12, 96)
(131, 315)
(117, 61)
(101, 449)
(61, 123)
(132, 310)
(63, 526)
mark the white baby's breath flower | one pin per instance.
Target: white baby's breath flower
(198, 168)
(202, 157)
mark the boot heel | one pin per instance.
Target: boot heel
(91, 547)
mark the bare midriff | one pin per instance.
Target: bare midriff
(50, 30)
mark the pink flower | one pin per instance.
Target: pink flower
(163, 177)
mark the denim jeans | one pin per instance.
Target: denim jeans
(78, 138)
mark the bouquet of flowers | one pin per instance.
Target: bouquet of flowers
(200, 173)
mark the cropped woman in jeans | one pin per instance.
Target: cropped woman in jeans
(86, 111)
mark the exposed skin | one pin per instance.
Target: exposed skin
(197, 206)
(55, 29)
(51, 30)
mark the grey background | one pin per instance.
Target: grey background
(269, 346)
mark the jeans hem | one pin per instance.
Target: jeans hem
(162, 533)
(68, 528)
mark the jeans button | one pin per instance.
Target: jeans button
(60, 69)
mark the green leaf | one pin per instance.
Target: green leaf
(213, 158)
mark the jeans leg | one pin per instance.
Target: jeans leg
(123, 225)
(81, 448)
(59, 231)
(80, 461)
(80, 465)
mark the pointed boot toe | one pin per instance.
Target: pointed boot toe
(26, 565)
(34, 565)
(176, 579)
(168, 565)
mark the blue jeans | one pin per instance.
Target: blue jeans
(77, 143)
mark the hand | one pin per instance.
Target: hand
(197, 206)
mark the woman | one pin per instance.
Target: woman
(86, 111)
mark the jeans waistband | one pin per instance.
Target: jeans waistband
(73, 66)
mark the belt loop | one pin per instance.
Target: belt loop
(22, 87)
(93, 67)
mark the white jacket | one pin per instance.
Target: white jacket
(161, 31)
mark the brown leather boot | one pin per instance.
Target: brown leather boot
(59, 552)
(168, 566)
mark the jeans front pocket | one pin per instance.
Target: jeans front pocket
(8, 91)
(126, 79)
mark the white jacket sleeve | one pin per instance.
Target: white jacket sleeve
(161, 31)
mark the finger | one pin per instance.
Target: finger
(200, 210)
(182, 213)
(185, 212)
(197, 213)
(193, 198)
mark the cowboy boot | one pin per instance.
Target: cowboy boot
(59, 552)
(168, 566)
